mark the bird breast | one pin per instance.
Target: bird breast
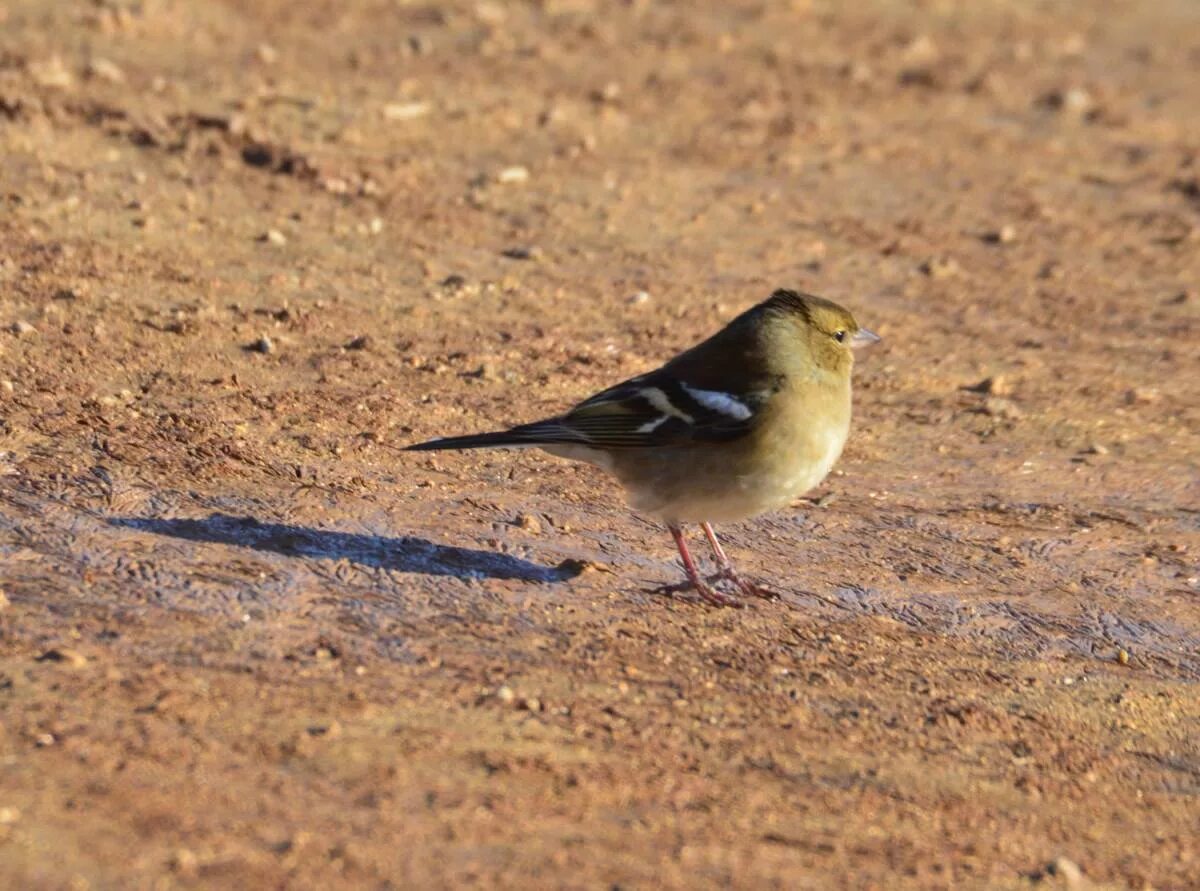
(782, 459)
(794, 457)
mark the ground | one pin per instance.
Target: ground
(247, 251)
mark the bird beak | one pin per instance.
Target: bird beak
(863, 338)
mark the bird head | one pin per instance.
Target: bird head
(819, 330)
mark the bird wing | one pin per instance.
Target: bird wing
(659, 409)
(656, 409)
(714, 392)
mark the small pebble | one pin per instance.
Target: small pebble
(103, 69)
(1068, 871)
(920, 51)
(1004, 235)
(1123, 657)
(530, 524)
(1074, 101)
(405, 111)
(273, 236)
(515, 174)
(62, 654)
(997, 385)
(4, 601)
(522, 253)
(9, 815)
(506, 695)
(607, 93)
(941, 267)
(1077, 101)
(1096, 449)
(263, 345)
(331, 730)
(486, 372)
(51, 73)
(1141, 396)
(22, 328)
(637, 298)
(362, 342)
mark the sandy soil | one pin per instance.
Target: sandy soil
(246, 643)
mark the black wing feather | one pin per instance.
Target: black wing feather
(655, 409)
(658, 409)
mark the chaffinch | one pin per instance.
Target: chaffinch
(738, 425)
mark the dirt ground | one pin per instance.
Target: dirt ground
(248, 250)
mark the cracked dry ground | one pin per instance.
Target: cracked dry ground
(247, 250)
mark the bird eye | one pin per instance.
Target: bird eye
(839, 336)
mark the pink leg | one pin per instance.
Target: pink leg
(727, 570)
(706, 591)
(718, 551)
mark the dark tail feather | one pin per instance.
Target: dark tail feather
(475, 441)
(525, 435)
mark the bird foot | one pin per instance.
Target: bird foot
(707, 592)
(749, 589)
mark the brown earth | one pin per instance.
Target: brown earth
(246, 643)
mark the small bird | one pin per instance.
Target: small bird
(741, 424)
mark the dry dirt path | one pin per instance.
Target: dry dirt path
(246, 254)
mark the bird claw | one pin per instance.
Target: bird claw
(749, 589)
(707, 592)
(716, 598)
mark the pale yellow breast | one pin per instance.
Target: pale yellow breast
(793, 449)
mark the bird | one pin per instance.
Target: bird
(741, 424)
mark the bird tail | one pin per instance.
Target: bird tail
(539, 433)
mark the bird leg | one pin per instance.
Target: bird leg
(727, 571)
(704, 589)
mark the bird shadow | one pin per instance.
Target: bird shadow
(405, 554)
